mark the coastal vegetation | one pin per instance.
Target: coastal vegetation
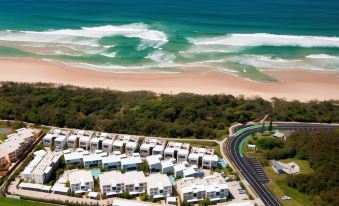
(316, 153)
(146, 113)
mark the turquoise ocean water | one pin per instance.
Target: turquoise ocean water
(239, 36)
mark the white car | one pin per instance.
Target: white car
(286, 197)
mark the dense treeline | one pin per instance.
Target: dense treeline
(322, 151)
(145, 113)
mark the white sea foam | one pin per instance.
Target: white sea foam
(161, 56)
(87, 37)
(267, 62)
(321, 56)
(109, 54)
(263, 39)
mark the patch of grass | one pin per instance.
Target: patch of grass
(14, 202)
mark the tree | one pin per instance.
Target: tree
(144, 167)
(270, 128)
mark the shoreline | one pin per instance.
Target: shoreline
(292, 84)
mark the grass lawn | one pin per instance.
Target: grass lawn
(14, 202)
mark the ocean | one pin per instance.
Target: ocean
(243, 37)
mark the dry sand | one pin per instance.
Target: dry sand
(293, 84)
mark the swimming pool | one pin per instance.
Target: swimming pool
(172, 180)
(95, 172)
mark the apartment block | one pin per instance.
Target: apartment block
(152, 146)
(40, 169)
(15, 145)
(80, 139)
(114, 183)
(81, 181)
(154, 163)
(177, 150)
(203, 157)
(158, 186)
(193, 190)
(125, 144)
(96, 142)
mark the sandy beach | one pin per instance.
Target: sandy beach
(293, 84)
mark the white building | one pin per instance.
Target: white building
(131, 163)
(167, 167)
(112, 161)
(15, 145)
(152, 146)
(107, 145)
(92, 160)
(179, 170)
(177, 150)
(73, 158)
(154, 163)
(80, 139)
(56, 137)
(193, 171)
(194, 190)
(114, 183)
(97, 141)
(285, 168)
(158, 186)
(126, 144)
(42, 167)
(81, 181)
(203, 157)
(210, 161)
(279, 135)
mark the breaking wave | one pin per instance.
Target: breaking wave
(264, 39)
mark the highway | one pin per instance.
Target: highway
(234, 152)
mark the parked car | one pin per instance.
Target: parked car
(285, 197)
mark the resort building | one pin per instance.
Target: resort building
(192, 171)
(92, 160)
(96, 142)
(154, 163)
(61, 139)
(55, 134)
(167, 167)
(81, 181)
(107, 145)
(85, 139)
(210, 161)
(203, 157)
(194, 190)
(177, 150)
(15, 145)
(131, 163)
(114, 183)
(42, 167)
(179, 170)
(158, 186)
(152, 146)
(126, 144)
(80, 139)
(112, 161)
(73, 158)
